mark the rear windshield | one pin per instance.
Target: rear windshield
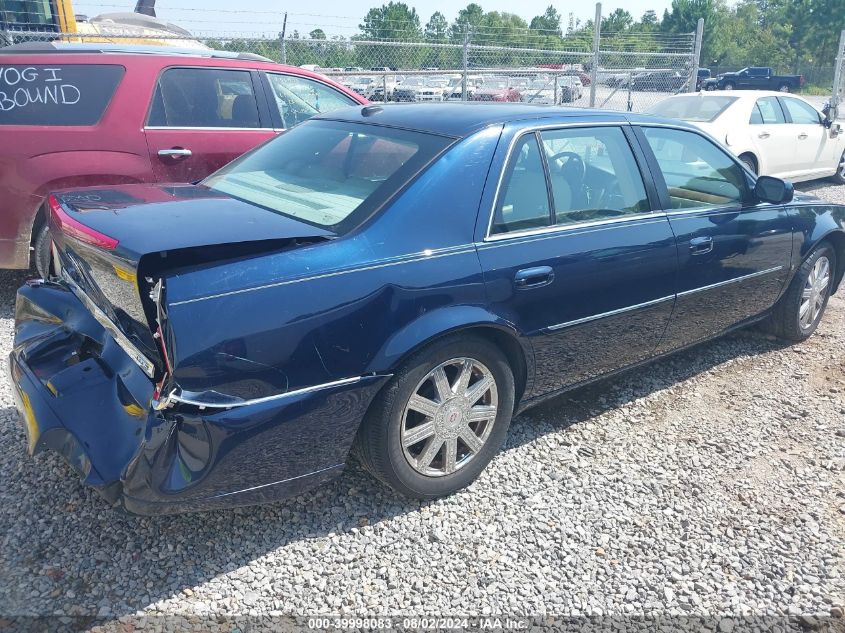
(698, 108)
(331, 174)
(36, 94)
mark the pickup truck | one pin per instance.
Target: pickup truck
(756, 78)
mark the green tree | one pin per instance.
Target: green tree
(684, 16)
(549, 22)
(317, 34)
(618, 21)
(392, 21)
(649, 21)
(437, 27)
(468, 18)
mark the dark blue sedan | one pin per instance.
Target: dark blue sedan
(396, 281)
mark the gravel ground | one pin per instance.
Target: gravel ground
(710, 483)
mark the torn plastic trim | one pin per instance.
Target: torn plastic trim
(120, 338)
(215, 400)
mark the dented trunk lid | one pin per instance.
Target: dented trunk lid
(115, 244)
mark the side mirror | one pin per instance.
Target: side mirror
(773, 190)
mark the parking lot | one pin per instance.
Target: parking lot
(710, 483)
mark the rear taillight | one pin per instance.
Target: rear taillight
(75, 228)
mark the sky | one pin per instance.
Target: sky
(336, 17)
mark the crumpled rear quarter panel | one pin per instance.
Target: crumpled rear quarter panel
(92, 404)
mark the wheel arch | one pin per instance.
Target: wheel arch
(439, 324)
(837, 240)
(753, 156)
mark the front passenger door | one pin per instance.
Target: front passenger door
(815, 150)
(734, 253)
(296, 99)
(573, 255)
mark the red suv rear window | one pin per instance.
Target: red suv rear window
(56, 94)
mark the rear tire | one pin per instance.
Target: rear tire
(41, 252)
(839, 176)
(449, 452)
(749, 161)
(798, 312)
(783, 88)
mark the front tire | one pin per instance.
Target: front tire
(41, 252)
(441, 418)
(783, 88)
(729, 86)
(798, 313)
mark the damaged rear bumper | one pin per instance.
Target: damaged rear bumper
(80, 394)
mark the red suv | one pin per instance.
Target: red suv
(73, 115)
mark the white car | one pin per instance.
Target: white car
(539, 91)
(433, 89)
(364, 86)
(570, 88)
(773, 133)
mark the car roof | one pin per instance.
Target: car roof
(739, 94)
(462, 119)
(46, 48)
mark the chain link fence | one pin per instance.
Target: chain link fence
(623, 71)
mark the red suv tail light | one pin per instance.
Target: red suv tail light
(76, 229)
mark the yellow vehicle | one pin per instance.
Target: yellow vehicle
(26, 20)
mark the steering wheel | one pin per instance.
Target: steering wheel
(573, 169)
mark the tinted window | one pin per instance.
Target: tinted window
(758, 72)
(328, 173)
(767, 110)
(57, 94)
(204, 97)
(593, 173)
(801, 112)
(523, 201)
(692, 108)
(697, 172)
(299, 98)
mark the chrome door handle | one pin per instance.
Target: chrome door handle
(701, 245)
(175, 152)
(763, 135)
(802, 136)
(534, 277)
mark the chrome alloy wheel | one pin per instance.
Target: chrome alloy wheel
(814, 293)
(450, 416)
(842, 166)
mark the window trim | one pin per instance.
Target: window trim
(257, 93)
(660, 182)
(645, 170)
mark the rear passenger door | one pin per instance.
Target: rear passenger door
(573, 255)
(734, 253)
(774, 144)
(203, 118)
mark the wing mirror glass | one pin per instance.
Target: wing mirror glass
(773, 190)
